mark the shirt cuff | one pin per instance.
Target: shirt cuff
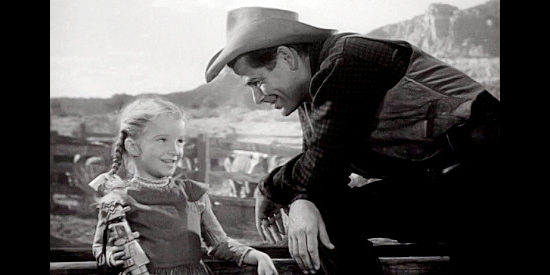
(277, 185)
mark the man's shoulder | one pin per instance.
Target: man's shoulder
(343, 41)
(335, 44)
(355, 45)
(343, 48)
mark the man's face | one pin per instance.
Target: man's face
(285, 86)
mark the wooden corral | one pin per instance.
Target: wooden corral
(210, 148)
(64, 148)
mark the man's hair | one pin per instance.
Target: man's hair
(267, 57)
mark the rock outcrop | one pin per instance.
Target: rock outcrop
(445, 31)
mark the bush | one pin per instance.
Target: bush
(212, 105)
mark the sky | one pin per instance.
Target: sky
(99, 48)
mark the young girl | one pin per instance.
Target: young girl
(169, 215)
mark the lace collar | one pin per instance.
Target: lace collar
(160, 183)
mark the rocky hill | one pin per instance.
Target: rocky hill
(225, 90)
(447, 32)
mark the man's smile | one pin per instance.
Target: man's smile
(272, 99)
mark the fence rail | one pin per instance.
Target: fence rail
(403, 259)
(225, 145)
(209, 148)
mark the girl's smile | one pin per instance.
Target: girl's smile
(161, 145)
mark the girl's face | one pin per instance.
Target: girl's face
(161, 145)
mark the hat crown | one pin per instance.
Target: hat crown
(243, 16)
(252, 28)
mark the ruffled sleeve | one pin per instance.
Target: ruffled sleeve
(219, 245)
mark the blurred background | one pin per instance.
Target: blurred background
(104, 53)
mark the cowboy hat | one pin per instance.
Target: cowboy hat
(253, 28)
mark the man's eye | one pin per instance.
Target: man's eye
(161, 140)
(181, 141)
(255, 84)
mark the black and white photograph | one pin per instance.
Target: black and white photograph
(196, 137)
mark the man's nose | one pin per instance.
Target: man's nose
(257, 95)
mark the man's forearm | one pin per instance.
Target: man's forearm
(283, 187)
(278, 186)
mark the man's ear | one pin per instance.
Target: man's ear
(289, 55)
(132, 147)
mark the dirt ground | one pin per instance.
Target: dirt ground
(71, 231)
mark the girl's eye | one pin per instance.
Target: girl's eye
(180, 140)
(161, 140)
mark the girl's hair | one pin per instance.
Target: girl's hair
(134, 118)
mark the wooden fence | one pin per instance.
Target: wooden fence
(396, 259)
(63, 149)
(209, 148)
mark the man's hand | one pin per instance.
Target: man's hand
(269, 222)
(305, 225)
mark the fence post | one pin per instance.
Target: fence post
(83, 134)
(203, 157)
(207, 159)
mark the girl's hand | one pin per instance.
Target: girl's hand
(115, 256)
(265, 265)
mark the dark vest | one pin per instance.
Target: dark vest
(430, 99)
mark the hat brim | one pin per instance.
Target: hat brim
(262, 34)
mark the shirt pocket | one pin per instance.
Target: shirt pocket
(411, 117)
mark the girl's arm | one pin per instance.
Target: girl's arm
(220, 246)
(264, 262)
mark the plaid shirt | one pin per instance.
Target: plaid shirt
(351, 76)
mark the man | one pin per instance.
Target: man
(423, 136)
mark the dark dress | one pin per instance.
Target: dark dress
(172, 219)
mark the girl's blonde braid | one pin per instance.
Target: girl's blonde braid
(117, 154)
